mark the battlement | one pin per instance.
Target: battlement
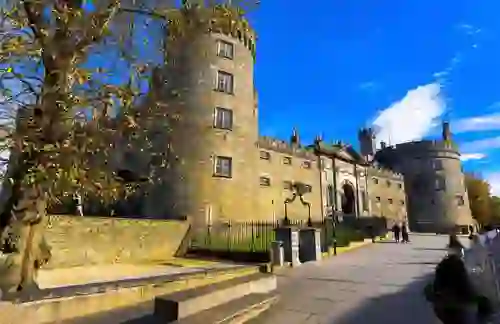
(217, 19)
(427, 145)
(281, 146)
(367, 132)
(376, 171)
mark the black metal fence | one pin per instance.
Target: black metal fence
(257, 236)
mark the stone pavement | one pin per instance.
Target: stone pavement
(381, 283)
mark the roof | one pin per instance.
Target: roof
(340, 151)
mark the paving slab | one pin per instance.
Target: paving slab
(381, 283)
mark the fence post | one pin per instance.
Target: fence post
(229, 225)
(253, 224)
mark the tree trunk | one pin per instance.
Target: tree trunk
(24, 247)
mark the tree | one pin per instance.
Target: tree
(495, 209)
(65, 67)
(479, 198)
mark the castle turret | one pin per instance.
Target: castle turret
(366, 138)
(209, 90)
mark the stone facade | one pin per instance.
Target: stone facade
(221, 169)
(434, 182)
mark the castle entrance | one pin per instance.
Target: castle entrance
(348, 199)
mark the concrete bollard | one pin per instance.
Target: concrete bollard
(277, 254)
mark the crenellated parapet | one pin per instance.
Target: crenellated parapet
(376, 171)
(281, 146)
(221, 19)
(428, 145)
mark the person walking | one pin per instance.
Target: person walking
(404, 234)
(396, 231)
(79, 206)
(452, 295)
(454, 246)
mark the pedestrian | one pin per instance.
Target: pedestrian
(79, 206)
(452, 295)
(396, 231)
(454, 246)
(404, 234)
(471, 232)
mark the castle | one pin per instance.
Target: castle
(224, 170)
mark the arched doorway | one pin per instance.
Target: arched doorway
(348, 199)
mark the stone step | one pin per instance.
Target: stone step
(235, 312)
(58, 305)
(183, 304)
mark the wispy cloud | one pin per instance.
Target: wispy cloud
(368, 86)
(472, 156)
(442, 76)
(482, 145)
(477, 123)
(412, 117)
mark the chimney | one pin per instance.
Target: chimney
(446, 131)
(383, 145)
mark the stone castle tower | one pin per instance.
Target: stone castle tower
(434, 182)
(366, 139)
(209, 87)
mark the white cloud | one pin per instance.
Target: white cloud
(472, 156)
(477, 123)
(412, 117)
(481, 145)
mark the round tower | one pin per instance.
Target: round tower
(209, 93)
(434, 184)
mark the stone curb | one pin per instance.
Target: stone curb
(352, 246)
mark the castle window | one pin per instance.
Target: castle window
(440, 183)
(377, 199)
(287, 185)
(265, 182)
(225, 49)
(225, 82)
(437, 165)
(375, 181)
(400, 185)
(223, 167)
(287, 160)
(223, 118)
(264, 155)
(388, 183)
(306, 164)
(308, 188)
(460, 200)
(390, 201)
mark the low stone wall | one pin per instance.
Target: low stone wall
(80, 241)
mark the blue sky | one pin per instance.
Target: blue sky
(334, 66)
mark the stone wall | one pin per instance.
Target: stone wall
(280, 175)
(79, 241)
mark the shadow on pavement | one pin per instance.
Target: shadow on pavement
(433, 263)
(407, 306)
(430, 249)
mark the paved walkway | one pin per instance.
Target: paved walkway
(382, 283)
